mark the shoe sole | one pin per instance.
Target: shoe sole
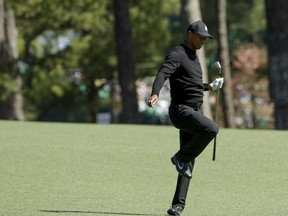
(172, 212)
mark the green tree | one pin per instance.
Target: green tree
(49, 87)
(51, 90)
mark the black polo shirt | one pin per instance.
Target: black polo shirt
(182, 68)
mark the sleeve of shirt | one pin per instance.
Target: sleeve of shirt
(168, 67)
(206, 86)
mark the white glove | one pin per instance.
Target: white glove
(217, 83)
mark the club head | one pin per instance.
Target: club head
(218, 65)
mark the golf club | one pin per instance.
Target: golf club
(218, 66)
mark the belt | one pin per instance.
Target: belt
(195, 106)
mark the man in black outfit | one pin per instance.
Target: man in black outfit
(182, 68)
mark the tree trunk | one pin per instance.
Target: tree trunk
(227, 93)
(13, 107)
(114, 94)
(2, 30)
(191, 11)
(12, 34)
(123, 34)
(3, 106)
(277, 35)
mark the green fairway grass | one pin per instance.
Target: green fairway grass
(51, 169)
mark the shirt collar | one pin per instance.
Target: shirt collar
(187, 48)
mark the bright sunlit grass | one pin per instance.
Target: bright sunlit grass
(89, 169)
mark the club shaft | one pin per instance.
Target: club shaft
(216, 120)
(216, 114)
(214, 149)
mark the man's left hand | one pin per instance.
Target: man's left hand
(217, 83)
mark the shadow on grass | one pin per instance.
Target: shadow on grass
(94, 212)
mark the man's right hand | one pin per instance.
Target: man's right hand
(152, 100)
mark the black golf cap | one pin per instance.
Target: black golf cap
(200, 28)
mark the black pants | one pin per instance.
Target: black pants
(195, 133)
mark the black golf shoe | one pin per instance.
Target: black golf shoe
(182, 167)
(175, 210)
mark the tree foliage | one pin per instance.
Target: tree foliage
(245, 22)
(86, 27)
(68, 53)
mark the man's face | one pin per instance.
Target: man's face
(195, 41)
